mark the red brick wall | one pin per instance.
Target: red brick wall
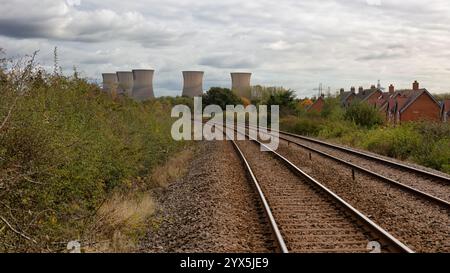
(424, 108)
(317, 106)
(373, 99)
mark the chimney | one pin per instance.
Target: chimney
(240, 84)
(360, 89)
(391, 89)
(143, 84)
(341, 91)
(125, 81)
(109, 82)
(352, 89)
(373, 87)
(415, 85)
(193, 83)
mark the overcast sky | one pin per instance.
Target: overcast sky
(292, 43)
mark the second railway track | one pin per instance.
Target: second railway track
(432, 187)
(306, 216)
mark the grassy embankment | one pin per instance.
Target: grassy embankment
(425, 143)
(76, 164)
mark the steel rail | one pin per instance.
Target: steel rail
(413, 190)
(273, 224)
(281, 245)
(385, 237)
(366, 155)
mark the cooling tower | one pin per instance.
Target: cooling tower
(240, 84)
(193, 83)
(109, 82)
(125, 79)
(143, 84)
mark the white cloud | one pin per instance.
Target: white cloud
(279, 45)
(374, 2)
(73, 2)
(297, 44)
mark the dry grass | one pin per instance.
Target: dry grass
(123, 219)
(174, 168)
(120, 221)
(128, 211)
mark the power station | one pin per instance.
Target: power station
(109, 82)
(193, 83)
(138, 83)
(240, 84)
(125, 79)
(143, 84)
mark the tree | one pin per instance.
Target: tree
(332, 109)
(363, 114)
(286, 101)
(220, 96)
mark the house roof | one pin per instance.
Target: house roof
(366, 93)
(383, 100)
(404, 98)
(318, 99)
(385, 96)
(416, 94)
(344, 96)
(402, 103)
(401, 99)
(361, 95)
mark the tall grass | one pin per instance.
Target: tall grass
(65, 146)
(425, 143)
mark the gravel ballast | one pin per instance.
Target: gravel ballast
(433, 186)
(309, 220)
(423, 226)
(212, 209)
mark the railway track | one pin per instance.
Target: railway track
(304, 215)
(432, 187)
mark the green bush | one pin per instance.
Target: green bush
(337, 129)
(434, 151)
(425, 143)
(398, 142)
(284, 99)
(220, 96)
(363, 115)
(177, 100)
(65, 148)
(302, 126)
(332, 109)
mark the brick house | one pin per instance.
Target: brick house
(317, 105)
(347, 97)
(371, 96)
(412, 105)
(383, 101)
(445, 111)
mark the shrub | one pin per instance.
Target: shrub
(177, 100)
(64, 149)
(302, 126)
(399, 142)
(337, 129)
(434, 154)
(332, 109)
(363, 115)
(220, 96)
(284, 99)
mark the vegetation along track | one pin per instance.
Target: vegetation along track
(305, 216)
(431, 186)
(421, 223)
